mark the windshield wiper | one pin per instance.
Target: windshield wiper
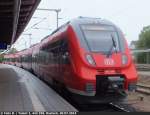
(113, 46)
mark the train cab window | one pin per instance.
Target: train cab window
(97, 36)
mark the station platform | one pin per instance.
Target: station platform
(22, 91)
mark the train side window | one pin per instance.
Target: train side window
(33, 58)
(65, 52)
(55, 47)
(64, 46)
(52, 52)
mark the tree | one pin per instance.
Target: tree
(144, 38)
(1, 58)
(143, 43)
(13, 50)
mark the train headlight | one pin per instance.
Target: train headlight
(124, 59)
(90, 60)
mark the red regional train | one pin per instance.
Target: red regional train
(88, 56)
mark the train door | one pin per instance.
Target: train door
(33, 62)
(45, 62)
(37, 64)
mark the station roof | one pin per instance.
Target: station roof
(14, 16)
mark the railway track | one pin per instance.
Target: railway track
(110, 107)
(122, 107)
(143, 67)
(141, 88)
(96, 107)
(144, 89)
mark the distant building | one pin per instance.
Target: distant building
(133, 45)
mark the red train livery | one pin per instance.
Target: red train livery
(88, 56)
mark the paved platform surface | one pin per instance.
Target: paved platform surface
(22, 91)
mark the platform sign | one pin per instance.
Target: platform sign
(3, 45)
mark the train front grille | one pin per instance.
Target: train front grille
(109, 84)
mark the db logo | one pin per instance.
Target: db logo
(109, 62)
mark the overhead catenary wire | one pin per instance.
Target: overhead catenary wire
(36, 24)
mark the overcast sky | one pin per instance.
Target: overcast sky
(130, 15)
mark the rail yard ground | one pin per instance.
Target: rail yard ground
(139, 100)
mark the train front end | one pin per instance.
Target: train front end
(103, 66)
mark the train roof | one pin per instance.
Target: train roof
(90, 20)
(81, 20)
(84, 20)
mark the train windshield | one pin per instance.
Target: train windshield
(101, 38)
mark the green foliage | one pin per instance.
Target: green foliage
(143, 43)
(144, 39)
(141, 58)
(1, 58)
(12, 50)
